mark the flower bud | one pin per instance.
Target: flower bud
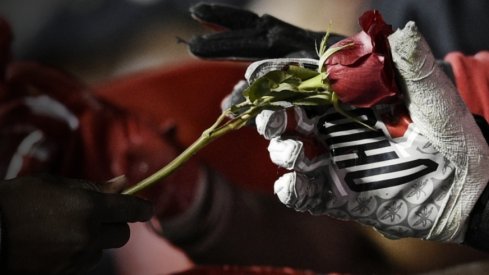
(362, 74)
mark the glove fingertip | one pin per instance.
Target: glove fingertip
(271, 124)
(284, 187)
(285, 153)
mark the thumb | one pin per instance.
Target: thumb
(439, 113)
(114, 185)
(435, 106)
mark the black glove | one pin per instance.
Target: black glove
(249, 36)
(60, 226)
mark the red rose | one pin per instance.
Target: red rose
(362, 74)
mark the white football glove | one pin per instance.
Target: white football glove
(419, 175)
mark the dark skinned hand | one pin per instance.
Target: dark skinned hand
(54, 225)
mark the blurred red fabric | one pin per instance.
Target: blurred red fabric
(472, 80)
(188, 96)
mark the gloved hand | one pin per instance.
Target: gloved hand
(418, 174)
(56, 225)
(245, 35)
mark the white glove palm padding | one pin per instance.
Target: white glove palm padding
(418, 179)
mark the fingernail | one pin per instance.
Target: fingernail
(118, 180)
(115, 185)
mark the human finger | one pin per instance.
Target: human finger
(114, 208)
(71, 182)
(114, 185)
(113, 235)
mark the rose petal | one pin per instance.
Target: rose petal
(374, 25)
(364, 84)
(363, 75)
(349, 55)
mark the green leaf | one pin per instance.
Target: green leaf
(294, 81)
(329, 52)
(286, 95)
(259, 88)
(263, 85)
(277, 76)
(272, 107)
(239, 108)
(285, 87)
(323, 45)
(314, 100)
(301, 72)
(314, 83)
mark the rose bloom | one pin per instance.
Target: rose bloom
(362, 74)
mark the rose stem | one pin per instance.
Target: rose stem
(207, 136)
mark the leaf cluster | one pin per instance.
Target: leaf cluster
(284, 88)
